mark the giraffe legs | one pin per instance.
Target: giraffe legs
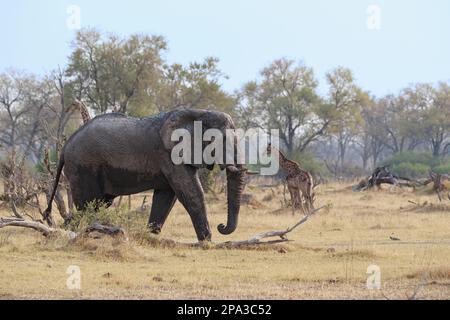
(299, 200)
(295, 193)
(306, 192)
(291, 192)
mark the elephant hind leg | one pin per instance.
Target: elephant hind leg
(108, 200)
(87, 191)
(162, 204)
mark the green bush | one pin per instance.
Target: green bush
(416, 164)
(82, 219)
(443, 168)
(413, 157)
(309, 163)
(410, 170)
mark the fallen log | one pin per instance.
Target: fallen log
(51, 231)
(382, 175)
(117, 231)
(256, 239)
(35, 225)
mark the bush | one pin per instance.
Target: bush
(309, 163)
(443, 168)
(82, 219)
(423, 158)
(416, 164)
(410, 170)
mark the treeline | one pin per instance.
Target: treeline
(349, 129)
(346, 131)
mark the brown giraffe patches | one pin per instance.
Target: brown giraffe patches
(81, 107)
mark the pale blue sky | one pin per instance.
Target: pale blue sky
(413, 44)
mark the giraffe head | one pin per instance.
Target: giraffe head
(75, 105)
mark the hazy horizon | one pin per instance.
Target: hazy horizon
(411, 44)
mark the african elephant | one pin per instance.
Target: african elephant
(114, 155)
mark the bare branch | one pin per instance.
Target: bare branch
(256, 239)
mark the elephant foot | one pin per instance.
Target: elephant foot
(154, 228)
(204, 236)
(67, 222)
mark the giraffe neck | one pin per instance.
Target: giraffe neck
(83, 111)
(282, 159)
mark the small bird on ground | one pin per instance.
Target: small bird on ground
(393, 237)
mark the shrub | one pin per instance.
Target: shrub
(416, 164)
(82, 219)
(413, 157)
(309, 163)
(410, 170)
(443, 168)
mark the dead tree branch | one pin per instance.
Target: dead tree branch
(382, 175)
(256, 239)
(50, 231)
(35, 225)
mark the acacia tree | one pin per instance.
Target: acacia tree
(440, 120)
(286, 99)
(373, 119)
(367, 141)
(431, 107)
(346, 99)
(130, 75)
(400, 121)
(110, 71)
(194, 86)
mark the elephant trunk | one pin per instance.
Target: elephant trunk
(235, 188)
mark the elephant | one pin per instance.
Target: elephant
(114, 155)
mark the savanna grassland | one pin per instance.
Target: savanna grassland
(327, 258)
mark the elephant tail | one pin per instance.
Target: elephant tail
(48, 211)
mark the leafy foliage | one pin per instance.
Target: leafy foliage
(414, 164)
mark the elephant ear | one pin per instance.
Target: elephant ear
(180, 119)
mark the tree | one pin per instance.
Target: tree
(110, 71)
(431, 107)
(194, 86)
(367, 142)
(130, 75)
(346, 99)
(373, 116)
(286, 99)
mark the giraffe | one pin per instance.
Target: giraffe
(81, 107)
(299, 182)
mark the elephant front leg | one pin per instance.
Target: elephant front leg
(189, 191)
(163, 201)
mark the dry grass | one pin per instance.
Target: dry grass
(327, 259)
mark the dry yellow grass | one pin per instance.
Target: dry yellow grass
(327, 259)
